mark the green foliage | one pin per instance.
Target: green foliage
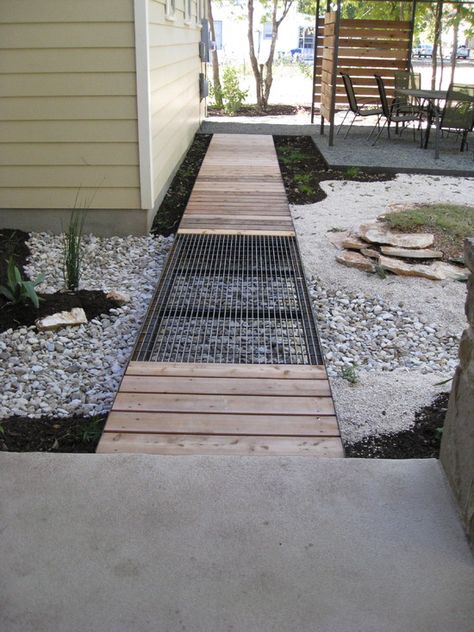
(336, 229)
(291, 156)
(231, 94)
(92, 430)
(456, 221)
(19, 290)
(349, 373)
(305, 68)
(303, 182)
(72, 255)
(380, 271)
(351, 173)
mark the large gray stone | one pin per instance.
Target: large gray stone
(353, 259)
(457, 446)
(411, 253)
(438, 271)
(380, 233)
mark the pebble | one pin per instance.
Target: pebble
(78, 371)
(369, 333)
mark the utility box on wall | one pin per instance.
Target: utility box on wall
(205, 43)
(203, 86)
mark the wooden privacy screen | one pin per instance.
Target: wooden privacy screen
(328, 58)
(366, 47)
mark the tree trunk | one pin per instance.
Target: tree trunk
(216, 80)
(436, 39)
(455, 43)
(264, 73)
(253, 57)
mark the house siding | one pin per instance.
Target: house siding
(175, 108)
(68, 106)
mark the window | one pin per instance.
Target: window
(306, 37)
(218, 32)
(201, 10)
(267, 30)
(188, 9)
(170, 9)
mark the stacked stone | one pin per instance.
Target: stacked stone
(457, 448)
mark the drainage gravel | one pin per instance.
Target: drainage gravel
(77, 371)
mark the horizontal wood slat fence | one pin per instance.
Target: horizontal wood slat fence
(366, 47)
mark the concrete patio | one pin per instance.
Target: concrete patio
(400, 154)
(121, 543)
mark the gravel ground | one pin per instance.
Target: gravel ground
(400, 334)
(77, 371)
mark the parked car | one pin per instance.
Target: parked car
(462, 52)
(423, 50)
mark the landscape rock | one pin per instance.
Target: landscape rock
(379, 233)
(122, 298)
(370, 252)
(74, 318)
(355, 260)
(411, 253)
(353, 243)
(438, 271)
(337, 237)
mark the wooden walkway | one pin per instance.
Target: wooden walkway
(239, 190)
(228, 409)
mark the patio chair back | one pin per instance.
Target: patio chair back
(350, 93)
(383, 96)
(407, 80)
(458, 111)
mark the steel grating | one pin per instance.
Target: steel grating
(238, 299)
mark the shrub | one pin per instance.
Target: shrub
(233, 97)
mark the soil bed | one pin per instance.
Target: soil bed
(174, 203)
(420, 442)
(93, 302)
(271, 110)
(303, 167)
(49, 434)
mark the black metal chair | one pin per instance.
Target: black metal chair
(404, 80)
(457, 115)
(390, 112)
(357, 110)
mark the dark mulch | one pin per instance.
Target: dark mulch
(420, 442)
(303, 167)
(271, 110)
(12, 244)
(174, 203)
(93, 302)
(49, 434)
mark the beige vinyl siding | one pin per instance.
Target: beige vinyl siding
(174, 87)
(68, 110)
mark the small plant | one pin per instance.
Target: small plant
(380, 271)
(92, 430)
(335, 229)
(351, 173)
(19, 290)
(233, 96)
(72, 257)
(303, 183)
(349, 373)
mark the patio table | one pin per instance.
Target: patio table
(433, 97)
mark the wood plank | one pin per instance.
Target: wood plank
(219, 370)
(224, 386)
(206, 444)
(198, 423)
(154, 402)
(220, 231)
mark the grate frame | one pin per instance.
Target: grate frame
(239, 299)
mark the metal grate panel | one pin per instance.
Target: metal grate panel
(233, 299)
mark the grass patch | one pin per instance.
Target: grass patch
(450, 224)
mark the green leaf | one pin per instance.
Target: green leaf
(39, 279)
(31, 293)
(6, 292)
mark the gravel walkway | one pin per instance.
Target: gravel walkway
(399, 334)
(77, 371)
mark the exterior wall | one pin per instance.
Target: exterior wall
(68, 112)
(457, 445)
(175, 108)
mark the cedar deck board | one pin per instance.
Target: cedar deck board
(240, 178)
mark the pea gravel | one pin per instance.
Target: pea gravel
(397, 337)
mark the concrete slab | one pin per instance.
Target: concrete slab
(142, 543)
(400, 154)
